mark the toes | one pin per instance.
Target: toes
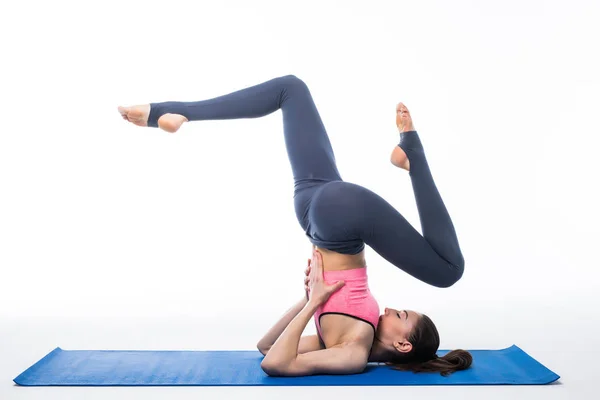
(401, 107)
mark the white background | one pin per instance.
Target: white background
(103, 223)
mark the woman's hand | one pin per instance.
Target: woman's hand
(318, 291)
(307, 280)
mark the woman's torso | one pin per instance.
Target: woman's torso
(338, 330)
(333, 261)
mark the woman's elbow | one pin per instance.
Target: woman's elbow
(272, 368)
(263, 349)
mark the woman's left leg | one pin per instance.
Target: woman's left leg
(434, 257)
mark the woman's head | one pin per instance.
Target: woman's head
(409, 341)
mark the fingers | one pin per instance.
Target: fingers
(336, 286)
(307, 283)
(316, 268)
(307, 270)
(307, 277)
(316, 260)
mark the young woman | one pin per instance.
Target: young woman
(340, 218)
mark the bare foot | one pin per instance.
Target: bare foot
(399, 158)
(138, 115)
(171, 122)
(404, 124)
(403, 119)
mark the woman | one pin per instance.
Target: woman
(339, 218)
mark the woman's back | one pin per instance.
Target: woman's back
(351, 314)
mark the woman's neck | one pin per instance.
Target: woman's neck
(379, 351)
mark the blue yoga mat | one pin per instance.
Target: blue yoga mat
(510, 366)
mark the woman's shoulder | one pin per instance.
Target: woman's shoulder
(342, 330)
(359, 343)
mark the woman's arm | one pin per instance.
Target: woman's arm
(285, 347)
(306, 343)
(351, 359)
(284, 360)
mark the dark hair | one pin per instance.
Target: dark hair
(425, 341)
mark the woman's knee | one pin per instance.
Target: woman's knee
(455, 272)
(292, 80)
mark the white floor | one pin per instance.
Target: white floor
(568, 348)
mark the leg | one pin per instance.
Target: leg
(435, 257)
(309, 149)
(436, 223)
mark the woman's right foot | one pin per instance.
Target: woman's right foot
(138, 115)
(171, 122)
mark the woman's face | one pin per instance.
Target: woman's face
(395, 327)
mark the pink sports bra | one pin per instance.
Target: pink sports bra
(354, 299)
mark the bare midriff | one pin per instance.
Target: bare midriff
(333, 261)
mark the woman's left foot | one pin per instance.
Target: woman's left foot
(399, 158)
(403, 119)
(404, 124)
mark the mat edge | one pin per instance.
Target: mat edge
(21, 378)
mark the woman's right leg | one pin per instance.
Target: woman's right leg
(308, 146)
(309, 149)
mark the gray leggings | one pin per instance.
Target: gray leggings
(334, 214)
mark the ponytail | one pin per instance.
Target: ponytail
(455, 360)
(425, 342)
